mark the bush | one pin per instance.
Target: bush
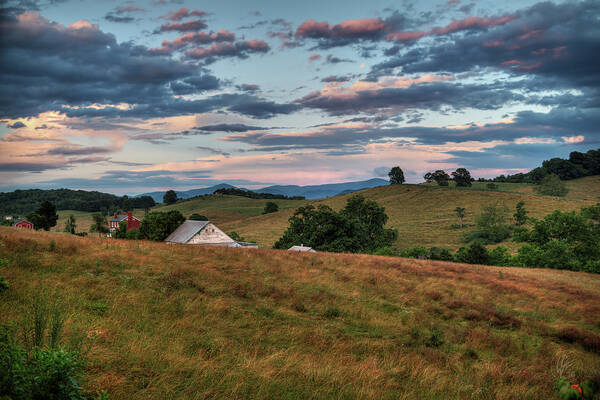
(563, 240)
(270, 207)
(551, 185)
(385, 251)
(474, 254)
(415, 252)
(3, 284)
(38, 374)
(500, 256)
(491, 186)
(438, 253)
(490, 226)
(197, 217)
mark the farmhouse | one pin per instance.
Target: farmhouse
(204, 233)
(23, 224)
(302, 248)
(132, 222)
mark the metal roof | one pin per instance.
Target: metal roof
(119, 218)
(302, 248)
(186, 231)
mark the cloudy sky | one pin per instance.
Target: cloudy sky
(131, 96)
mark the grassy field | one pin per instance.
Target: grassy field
(185, 322)
(422, 214)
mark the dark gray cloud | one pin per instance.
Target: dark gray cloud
(16, 125)
(230, 128)
(122, 14)
(554, 125)
(46, 66)
(431, 96)
(212, 150)
(558, 41)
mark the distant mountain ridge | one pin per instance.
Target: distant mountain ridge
(309, 192)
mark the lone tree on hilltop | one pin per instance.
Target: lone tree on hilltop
(462, 177)
(396, 176)
(170, 197)
(439, 176)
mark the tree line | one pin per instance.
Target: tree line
(21, 202)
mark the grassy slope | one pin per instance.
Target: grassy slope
(422, 214)
(223, 208)
(194, 322)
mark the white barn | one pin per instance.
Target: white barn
(203, 233)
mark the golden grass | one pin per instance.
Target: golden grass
(195, 322)
(422, 214)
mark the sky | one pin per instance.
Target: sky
(132, 96)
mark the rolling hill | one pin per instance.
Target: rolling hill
(309, 192)
(423, 214)
(170, 321)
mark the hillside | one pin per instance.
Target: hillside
(424, 214)
(309, 192)
(190, 322)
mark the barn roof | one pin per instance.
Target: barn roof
(119, 218)
(186, 231)
(19, 221)
(301, 248)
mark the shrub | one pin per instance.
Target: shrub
(563, 240)
(438, 253)
(490, 225)
(332, 312)
(3, 284)
(270, 207)
(500, 256)
(38, 374)
(436, 338)
(491, 186)
(520, 214)
(474, 254)
(197, 217)
(385, 251)
(415, 252)
(551, 185)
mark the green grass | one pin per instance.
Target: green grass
(187, 322)
(423, 214)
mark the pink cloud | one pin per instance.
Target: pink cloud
(357, 27)
(510, 62)
(314, 29)
(222, 35)
(314, 57)
(184, 13)
(470, 23)
(530, 34)
(229, 49)
(191, 25)
(405, 36)
(495, 43)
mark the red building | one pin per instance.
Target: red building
(132, 222)
(23, 224)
